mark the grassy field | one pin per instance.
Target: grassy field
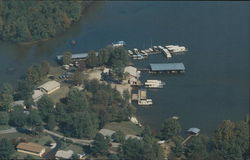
(75, 148)
(4, 127)
(126, 126)
(58, 94)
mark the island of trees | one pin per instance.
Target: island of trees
(24, 21)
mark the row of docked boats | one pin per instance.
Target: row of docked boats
(141, 54)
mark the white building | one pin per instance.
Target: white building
(49, 87)
(133, 74)
(64, 154)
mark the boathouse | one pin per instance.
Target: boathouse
(75, 56)
(167, 67)
(193, 131)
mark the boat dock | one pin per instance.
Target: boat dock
(154, 84)
(141, 97)
(167, 67)
(168, 51)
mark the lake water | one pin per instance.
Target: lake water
(216, 83)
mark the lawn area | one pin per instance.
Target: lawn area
(58, 94)
(19, 155)
(75, 148)
(126, 126)
(4, 127)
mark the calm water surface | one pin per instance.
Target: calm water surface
(216, 84)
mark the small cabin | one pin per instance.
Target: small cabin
(193, 131)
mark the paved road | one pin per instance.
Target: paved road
(11, 130)
(77, 141)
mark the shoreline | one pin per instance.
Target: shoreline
(27, 43)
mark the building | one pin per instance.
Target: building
(37, 95)
(75, 56)
(49, 87)
(61, 154)
(106, 132)
(31, 148)
(167, 67)
(194, 131)
(133, 74)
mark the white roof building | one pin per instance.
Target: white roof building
(64, 154)
(132, 71)
(106, 132)
(49, 87)
(37, 95)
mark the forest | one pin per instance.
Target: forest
(33, 20)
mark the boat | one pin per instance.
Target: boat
(154, 84)
(145, 102)
(119, 44)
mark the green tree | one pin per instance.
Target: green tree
(45, 68)
(18, 118)
(45, 106)
(118, 136)
(51, 122)
(77, 78)
(6, 96)
(6, 149)
(100, 145)
(4, 118)
(171, 127)
(67, 58)
(34, 120)
(76, 100)
(25, 89)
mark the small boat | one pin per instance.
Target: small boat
(154, 84)
(73, 42)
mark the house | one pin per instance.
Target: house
(49, 87)
(37, 95)
(61, 154)
(31, 148)
(106, 132)
(133, 74)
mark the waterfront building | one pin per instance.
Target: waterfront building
(49, 87)
(167, 67)
(31, 148)
(133, 74)
(61, 154)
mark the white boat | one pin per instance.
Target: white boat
(154, 84)
(145, 102)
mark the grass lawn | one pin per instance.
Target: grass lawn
(126, 127)
(58, 94)
(4, 127)
(75, 148)
(19, 155)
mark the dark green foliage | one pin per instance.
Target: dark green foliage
(6, 96)
(6, 149)
(4, 118)
(51, 121)
(100, 145)
(25, 89)
(171, 127)
(74, 157)
(34, 120)
(35, 20)
(76, 101)
(66, 59)
(77, 78)
(18, 118)
(118, 137)
(45, 106)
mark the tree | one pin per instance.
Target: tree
(45, 68)
(100, 145)
(67, 58)
(18, 118)
(33, 74)
(6, 96)
(171, 127)
(34, 120)
(92, 60)
(4, 118)
(132, 149)
(77, 78)
(118, 137)
(74, 157)
(76, 100)
(6, 149)
(45, 106)
(25, 89)
(51, 122)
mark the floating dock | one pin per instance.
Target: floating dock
(141, 97)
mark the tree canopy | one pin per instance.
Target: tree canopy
(22, 21)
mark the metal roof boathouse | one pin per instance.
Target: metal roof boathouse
(167, 67)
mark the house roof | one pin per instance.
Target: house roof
(50, 85)
(167, 66)
(64, 154)
(194, 130)
(32, 147)
(37, 94)
(106, 132)
(131, 70)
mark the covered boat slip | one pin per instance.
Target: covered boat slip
(167, 67)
